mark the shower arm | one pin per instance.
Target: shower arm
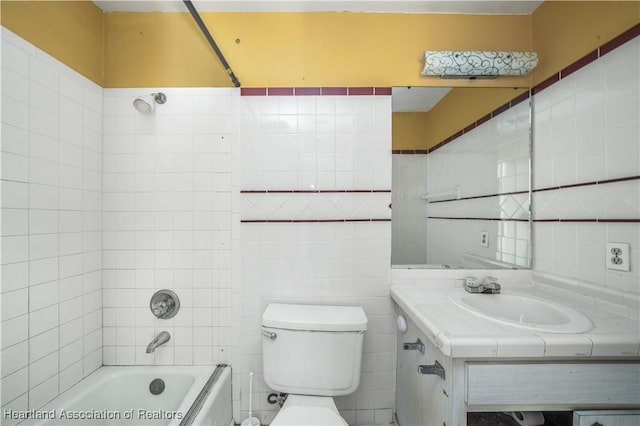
(214, 46)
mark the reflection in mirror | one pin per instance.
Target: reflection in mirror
(461, 178)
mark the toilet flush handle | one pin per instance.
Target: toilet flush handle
(269, 335)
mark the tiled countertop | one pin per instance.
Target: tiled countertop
(461, 334)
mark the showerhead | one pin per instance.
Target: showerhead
(147, 104)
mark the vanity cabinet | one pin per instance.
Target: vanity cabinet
(606, 418)
(421, 399)
(499, 384)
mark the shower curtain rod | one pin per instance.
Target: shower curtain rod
(214, 46)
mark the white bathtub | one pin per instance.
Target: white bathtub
(121, 396)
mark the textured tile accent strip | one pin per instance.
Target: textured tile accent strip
(309, 191)
(315, 91)
(409, 151)
(311, 220)
(480, 196)
(478, 218)
(594, 182)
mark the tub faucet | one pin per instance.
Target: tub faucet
(160, 339)
(488, 285)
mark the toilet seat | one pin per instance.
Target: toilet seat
(304, 410)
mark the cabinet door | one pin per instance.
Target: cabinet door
(552, 385)
(607, 418)
(421, 399)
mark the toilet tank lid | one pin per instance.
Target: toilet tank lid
(314, 317)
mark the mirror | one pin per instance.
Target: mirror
(461, 177)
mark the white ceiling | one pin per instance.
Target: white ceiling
(399, 6)
(416, 99)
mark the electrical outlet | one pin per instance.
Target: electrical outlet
(617, 256)
(484, 239)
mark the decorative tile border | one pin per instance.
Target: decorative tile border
(594, 182)
(310, 191)
(266, 206)
(549, 207)
(475, 197)
(618, 41)
(410, 151)
(499, 219)
(311, 220)
(315, 91)
(589, 220)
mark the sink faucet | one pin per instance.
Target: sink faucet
(488, 285)
(160, 339)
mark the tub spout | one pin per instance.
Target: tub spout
(160, 339)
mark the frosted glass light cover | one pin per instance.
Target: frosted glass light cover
(478, 63)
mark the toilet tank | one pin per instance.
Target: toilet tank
(313, 349)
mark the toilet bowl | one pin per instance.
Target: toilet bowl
(309, 410)
(312, 353)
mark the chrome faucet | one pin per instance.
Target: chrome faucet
(160, 339)
(488, 285)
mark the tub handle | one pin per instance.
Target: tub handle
(269, 334)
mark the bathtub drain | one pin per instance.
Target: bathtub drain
(156, 386)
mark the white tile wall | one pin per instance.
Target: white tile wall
(409, 226)
(167, 223)
(318, 142)
(51, 227)
(587, 128)
(492, 158)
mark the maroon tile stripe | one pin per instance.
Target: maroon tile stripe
(382, 91)
(618, 41)
(307, 91)
(551, 188)
(334, 91)
(499, 219)
(589, 220)
(253, 91)
(309, 191)
(580, 63)
(409, 151)
(546, 83)
(359, 91)
(315, 91)
(480, 196)
(311, 220)
(280, 91)
(593, 182)
(513, 102)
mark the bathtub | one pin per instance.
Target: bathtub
(122, 396)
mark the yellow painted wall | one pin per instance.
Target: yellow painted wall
(463, 106)
(563, 31)
(297, 49)
(314, 49)
(70, 31)
(410, 130)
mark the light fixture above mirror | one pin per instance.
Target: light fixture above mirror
(478, 64)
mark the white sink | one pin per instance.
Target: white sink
(523, 311)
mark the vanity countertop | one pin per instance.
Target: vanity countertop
(462, 334)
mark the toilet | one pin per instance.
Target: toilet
(312, 353)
